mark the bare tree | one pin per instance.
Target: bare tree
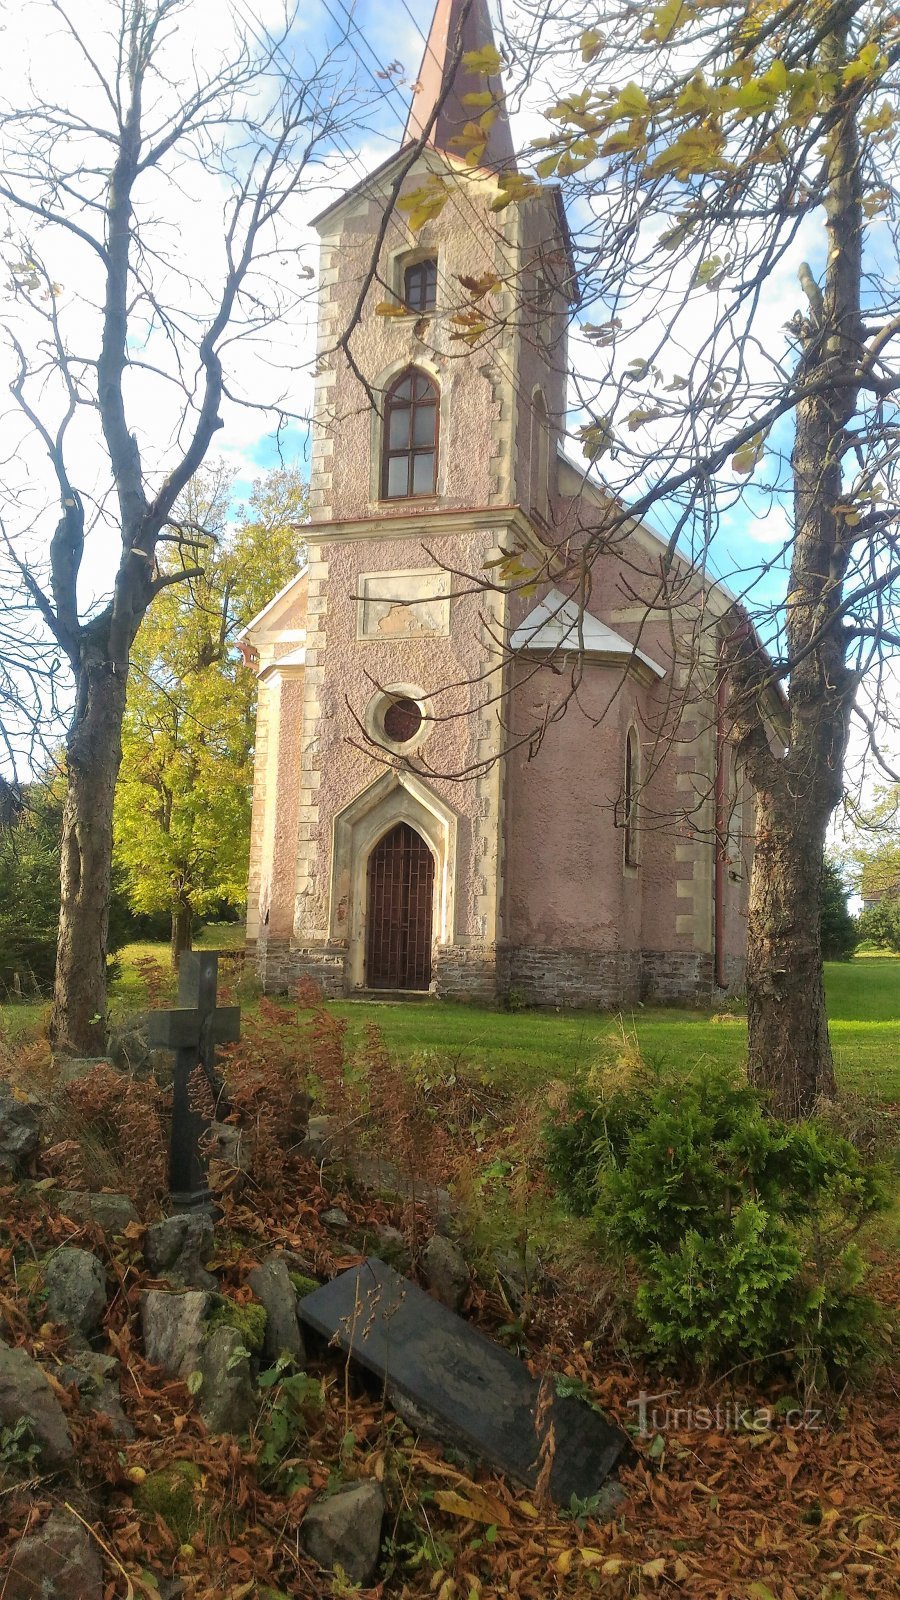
(125, 325)
(704, 151)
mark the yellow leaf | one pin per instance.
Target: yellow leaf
(475, 1505)
(563, 1563)
(602, 333)
(667, 20)
(591, 1558)
(697, 98)
(631, 138)
(528, 1510)
(591, 42)
(632, 102)
(760, 1591)
(513, 188)
(655, 1568)
(747, 458)
(695, 150)
(547, 167)
(613, 1566)
(388, 308)
(870, 63)
(482, 97)
(485, 61)
(596, 439)
(424, 203)
(636, 419)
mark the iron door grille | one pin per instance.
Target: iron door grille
(399, 911)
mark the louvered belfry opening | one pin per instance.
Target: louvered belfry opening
(399, 911)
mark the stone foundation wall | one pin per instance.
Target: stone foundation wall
(465, 972)
(583, 978)
(674, 977)
(280, 966)
(597, 979)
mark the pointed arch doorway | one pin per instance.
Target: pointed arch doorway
(399, 911)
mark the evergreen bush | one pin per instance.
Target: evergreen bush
(736, 1230)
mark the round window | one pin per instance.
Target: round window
(402, 720)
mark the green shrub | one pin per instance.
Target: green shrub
(737, 1228)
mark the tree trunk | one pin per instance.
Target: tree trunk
(796, 792)
(93, 755)
(182, 928)
(788, 1043)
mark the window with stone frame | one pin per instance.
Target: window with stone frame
(409, 452)
(420, 285)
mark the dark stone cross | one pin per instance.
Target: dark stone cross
(193, 1030)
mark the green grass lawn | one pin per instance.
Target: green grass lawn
(528, 1047)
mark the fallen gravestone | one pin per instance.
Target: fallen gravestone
(461, 1387)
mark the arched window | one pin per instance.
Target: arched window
(420, 285)
(410, 446)
(539, 487)
(630, 798)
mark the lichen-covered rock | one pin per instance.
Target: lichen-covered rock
(174, 1326)
(58, 1562)
(271, 1283)
(20, 1129)
(226, 1397)
(391, 1246)
(76, 1290)
(71, 1069)
(344, 1530)
(111, 1212)
(25, 1392)
(95, 1376)
(130, 1049)
(445, 1271)
(178, 1248)
(229, 1156)
(335, 1217)
(321, 1141)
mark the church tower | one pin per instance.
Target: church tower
(440, 390)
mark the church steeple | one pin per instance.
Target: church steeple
(458, 26)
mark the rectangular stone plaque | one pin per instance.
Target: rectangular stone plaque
(403, 605)
(449, 1380)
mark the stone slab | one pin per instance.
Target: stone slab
(464, 1388)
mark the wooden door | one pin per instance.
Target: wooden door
(399, 906)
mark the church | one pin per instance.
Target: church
(492, 758)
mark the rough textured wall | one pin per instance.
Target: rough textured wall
(483, 431)
(447, 669)
(565, 882)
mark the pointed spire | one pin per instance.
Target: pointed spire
(455, 23)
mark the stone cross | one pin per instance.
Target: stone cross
(192, 1030)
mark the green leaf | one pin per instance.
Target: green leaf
(194, 1382)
